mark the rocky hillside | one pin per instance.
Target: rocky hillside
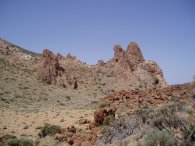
(127, 70)
(59, 100)
(16, 52)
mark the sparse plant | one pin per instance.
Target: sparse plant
(37, 141)
(49, 129)
(160, 138)
(174, 98)
(189, 135)
(164, 117)
(142, 113)
(103, 129)
(157, 121)
(189, 110)
(25, 142)
(108, 120)
(13, 142)
(68, 97)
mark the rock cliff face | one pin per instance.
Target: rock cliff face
(125, 71)
(133, 56)
(129, 58)
(50, 68)
(51, 72)
(129, 70)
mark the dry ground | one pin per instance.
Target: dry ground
(26, 104)
(28, 123)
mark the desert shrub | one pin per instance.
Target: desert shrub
(68, 97)
(189, 110)
(143, 113)
(49, 129)
(13, 142)
(103, 129)
(25, 142)
(120, 129)
(174, 98)
(37, 141)
(189, 135)
(165, 117)
(164, 110)
(108, 120)
(160, 138)
(168, 108)
(158, 121)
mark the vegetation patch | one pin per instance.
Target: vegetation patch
(159, 138)
(49, 129)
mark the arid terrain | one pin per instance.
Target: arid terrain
(54, 100)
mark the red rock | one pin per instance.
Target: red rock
(50, 68)
(133, 55)
(101, 114)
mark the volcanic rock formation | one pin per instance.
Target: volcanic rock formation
(129, 70)
(126, 70)
(51, 72)
(50, 68)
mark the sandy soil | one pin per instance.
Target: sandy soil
(28, 123)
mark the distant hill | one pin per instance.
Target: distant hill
(26, 51)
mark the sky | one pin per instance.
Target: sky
(88, 29)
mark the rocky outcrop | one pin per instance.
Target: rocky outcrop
(16, 54)
(101, 62)
(149, 71)
(126, 70)
(133, 55)
(51, 72)
(129, 58)
(130, 70)
(101, 114)
(135, 99)
(118, 53)
(50, 68)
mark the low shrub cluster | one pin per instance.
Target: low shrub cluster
(159, 138)
(162, 124)
(20, 142)
(49, 129)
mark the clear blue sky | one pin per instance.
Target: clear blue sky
(88, 29)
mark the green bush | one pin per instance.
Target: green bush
(25, 142)
(49, 129)
(162, 138)
(13, 142)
